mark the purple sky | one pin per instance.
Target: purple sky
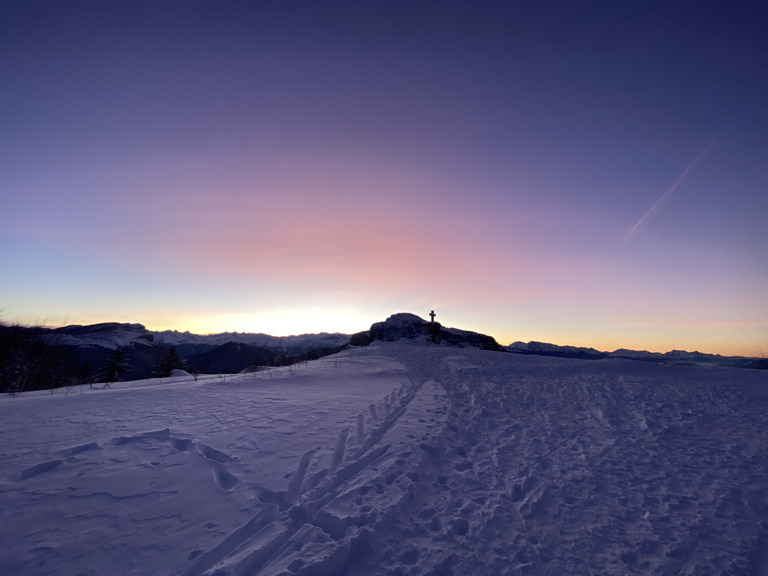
(586, 173)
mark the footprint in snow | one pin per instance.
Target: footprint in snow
(224, 479)
(213, 454)
(39, 469)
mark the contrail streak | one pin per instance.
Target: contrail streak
(668, 193)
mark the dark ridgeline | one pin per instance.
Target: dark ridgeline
(36, 358)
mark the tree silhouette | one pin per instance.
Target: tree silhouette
(114, 367)
(169, 362)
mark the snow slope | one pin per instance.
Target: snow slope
(399, 458)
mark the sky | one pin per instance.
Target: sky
(581, 173)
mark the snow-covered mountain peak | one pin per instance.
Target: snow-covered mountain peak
(110, 335)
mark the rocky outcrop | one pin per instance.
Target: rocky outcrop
(456, 337)
(398, 326)
(360, 338)
(412, 327)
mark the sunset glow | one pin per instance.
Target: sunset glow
(317, 166)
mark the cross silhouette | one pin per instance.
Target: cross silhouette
(432, 315)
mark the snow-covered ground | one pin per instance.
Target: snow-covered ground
(399, 458)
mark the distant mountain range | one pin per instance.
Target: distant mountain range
(226, 353)
(112, 334)
(34, 357)
(673, 357)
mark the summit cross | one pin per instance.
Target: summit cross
(432, 315)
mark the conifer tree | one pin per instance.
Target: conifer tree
(115, 367)
(169, 362)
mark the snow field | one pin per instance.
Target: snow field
(146, 475)
(396, 459)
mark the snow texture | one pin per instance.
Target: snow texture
(400, 458)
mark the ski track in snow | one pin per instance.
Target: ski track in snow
(397, 459)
